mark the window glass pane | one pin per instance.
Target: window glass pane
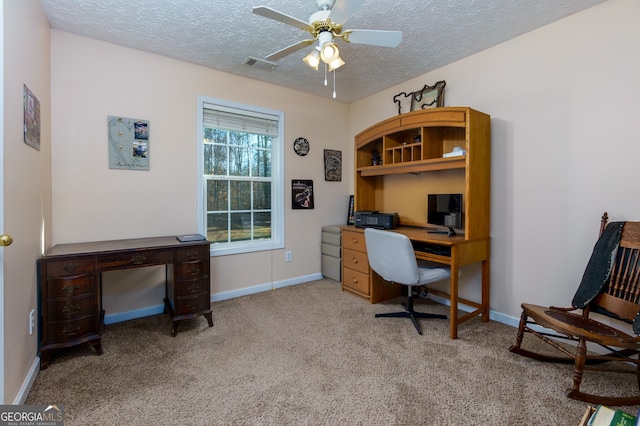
(262, 195)
(217, 195)
(262, 225)
(238, 161)
(217, 227)
(261, 141)
(261, 165)
(240, 226)
(238, 138)
(240, 192)
(220, 136)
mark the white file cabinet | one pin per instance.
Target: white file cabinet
(331, 244)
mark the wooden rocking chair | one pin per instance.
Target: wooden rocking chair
(610, 286)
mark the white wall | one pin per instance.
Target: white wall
(92, 80)
(565, 148)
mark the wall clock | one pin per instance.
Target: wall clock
(301, 146)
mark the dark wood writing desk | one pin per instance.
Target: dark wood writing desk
(70, 291)
(454, 252)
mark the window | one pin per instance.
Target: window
(241, 182)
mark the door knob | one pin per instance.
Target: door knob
(5, 240)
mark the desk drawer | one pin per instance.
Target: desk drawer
(356, 260)
(192, 270)
(67, 330)
(70, 286)
(60, 268)
(187, 288)
(193, 253)
(133, 259)
(70, 309)
(354, 241)
(355, 280)
(192, 304)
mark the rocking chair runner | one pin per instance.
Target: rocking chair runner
(610, 286)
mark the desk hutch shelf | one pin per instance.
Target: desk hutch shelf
(415, 144)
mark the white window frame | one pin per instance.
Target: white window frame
(277, 183)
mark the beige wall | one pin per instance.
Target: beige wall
(92, 80)
(564, 107)
(27, 186)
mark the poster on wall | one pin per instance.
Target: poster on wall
(128, 143)
(301, 194)
(31, 118)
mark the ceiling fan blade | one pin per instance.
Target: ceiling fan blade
(267, 12)
(289, 50)
(343, 9)
(375, 37)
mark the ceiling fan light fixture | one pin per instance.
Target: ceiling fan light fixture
(329, 52)
(336, 64)
(313, 59)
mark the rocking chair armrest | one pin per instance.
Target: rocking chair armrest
(634, 340)
(556, 308)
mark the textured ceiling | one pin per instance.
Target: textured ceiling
(222, 34)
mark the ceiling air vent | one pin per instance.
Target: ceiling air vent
(260, 64)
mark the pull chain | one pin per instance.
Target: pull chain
(334, 84)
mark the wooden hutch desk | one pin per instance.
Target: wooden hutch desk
(70, 290)
(413, 160)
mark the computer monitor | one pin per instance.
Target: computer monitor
(445, 210)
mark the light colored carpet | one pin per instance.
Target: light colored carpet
(310, 355)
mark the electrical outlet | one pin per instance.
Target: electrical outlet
(32, 321)
(288, 257)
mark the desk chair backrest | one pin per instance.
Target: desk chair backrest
(391, 255)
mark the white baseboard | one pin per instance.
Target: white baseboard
(493, 315)
(21, 397)
(217, 297)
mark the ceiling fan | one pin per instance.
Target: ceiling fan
(325, 26)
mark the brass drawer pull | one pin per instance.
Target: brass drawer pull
(70, 288)
(71, 330)
(138, 259)
(194, 270)
(192, 254)
(70, 309)
(70, 268)
(193, 288)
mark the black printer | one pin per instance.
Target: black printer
(375, 219)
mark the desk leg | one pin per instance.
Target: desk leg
(485, 290)
(453, 296)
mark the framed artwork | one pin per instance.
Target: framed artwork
(128, 143)
(351, 218)
(301, 194)
(31, 125)
(332, 165)
(427, 97)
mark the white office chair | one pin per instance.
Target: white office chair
(391, 256)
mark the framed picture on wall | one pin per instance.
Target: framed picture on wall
(332, 165)
(301, 194)
(351, 218)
